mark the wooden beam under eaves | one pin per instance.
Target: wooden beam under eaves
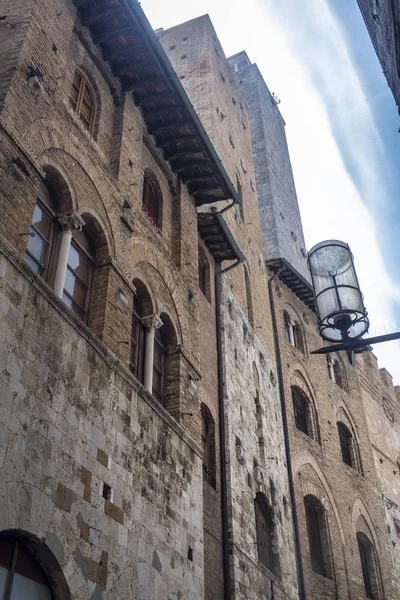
(129, 86)
(100, 14)
(113, 54)
(153, 97)
(133, 64)
(100, 39)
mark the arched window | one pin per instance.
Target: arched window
(346, 443)
(42, 232)
(208, 444)
(82, 100)
(21, 576)
(249, 300)
(298, 337)
(151, 202)
(265, 533)
(138, 336)
(160, 365)
(240, 194)
(78, 277)
(338, 373)
(288, 327)
(368, 566)
(318, 537)
(301, 407)
(204, 274)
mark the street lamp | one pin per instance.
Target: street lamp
(342, 316)
(340, 308)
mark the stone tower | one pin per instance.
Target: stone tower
(282, 230)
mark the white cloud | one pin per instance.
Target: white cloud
(305, 60)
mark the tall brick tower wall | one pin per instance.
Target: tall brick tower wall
(282, 232)
(254, 438)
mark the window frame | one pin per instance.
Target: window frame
(299, 398)
(264, 525)
(13, 565)
(51, 242)
(88, 286)
(137, 342)
(161, 345)
(346, 442)
(317, 528)
(84, 85)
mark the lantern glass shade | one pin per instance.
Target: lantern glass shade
(341, 312)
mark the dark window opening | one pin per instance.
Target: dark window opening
(138, 336)
(301, 411)
(368, 567)
(208, 445)
(346, 440)
(159, 365)
(265, 531)
(106, 491)
(318, 537)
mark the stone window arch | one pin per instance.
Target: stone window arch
(89, 250)
(240, 194)
(208, 444)
(204, 273)
(166, 366)
(349, 446)
(249, 299)
(336, 371)
(152, 200)
(293, 331)
(304, 413)
(142, 308)
(368, 560)
(43, 232)
(266, 535)
(82, 100)
(28, 569)
(369, 570)
(318, 537)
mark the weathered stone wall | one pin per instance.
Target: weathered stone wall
(282, 232)
(256, 460)
(381, 402)
(346, 493)
(200, 63)
(382, 19)
(72, 419)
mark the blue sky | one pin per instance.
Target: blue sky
(341, 123)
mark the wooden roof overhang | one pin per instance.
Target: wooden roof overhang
(120, 29)
(294, 281)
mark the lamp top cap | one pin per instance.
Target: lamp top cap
(328, 243)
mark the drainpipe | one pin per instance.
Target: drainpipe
(299, 566)
(240, 258)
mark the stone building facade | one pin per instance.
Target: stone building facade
(382, 19)
(142, 446)
(337, 424)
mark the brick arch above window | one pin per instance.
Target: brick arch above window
(39, 572)
(342, 415)
(318, 486)
(294, 328)
(299, 386)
